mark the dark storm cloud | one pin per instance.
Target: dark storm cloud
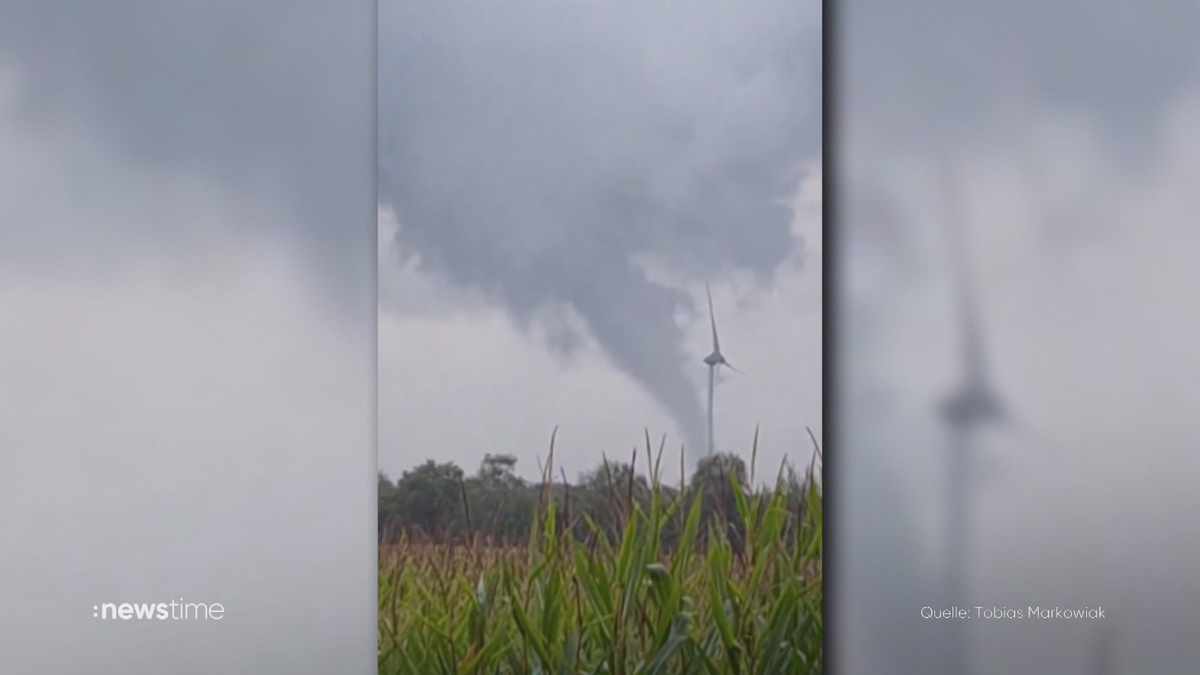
(933, 67)
(537, 151)
(267, 101)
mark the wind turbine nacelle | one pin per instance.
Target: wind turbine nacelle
(714, 359)
(972, 406)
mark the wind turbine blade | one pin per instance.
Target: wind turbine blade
(731, 367)
(971, 333)
(712, 317)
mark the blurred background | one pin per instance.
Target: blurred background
(187, 334)
(1017, 345)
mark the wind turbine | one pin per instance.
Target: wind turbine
(714, 360)
(971, 407)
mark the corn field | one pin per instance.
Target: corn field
(729, 603)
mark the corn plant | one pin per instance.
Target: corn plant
(562, 605)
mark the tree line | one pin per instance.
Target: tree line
(440, 502)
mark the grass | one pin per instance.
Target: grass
(559, 606)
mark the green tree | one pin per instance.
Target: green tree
(502, 503)
(714, 477)
(388, 512)
(429, 499)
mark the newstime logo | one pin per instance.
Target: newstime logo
(176, 610)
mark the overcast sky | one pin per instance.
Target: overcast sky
(187, 342)
(1072, 129)
(557, 182)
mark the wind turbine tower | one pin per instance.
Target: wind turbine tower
(1105, 657)
(714, 360)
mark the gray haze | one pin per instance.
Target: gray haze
(186, 369)
(1073, 129)
(934, 70)
(226, 96)
(562, 159)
